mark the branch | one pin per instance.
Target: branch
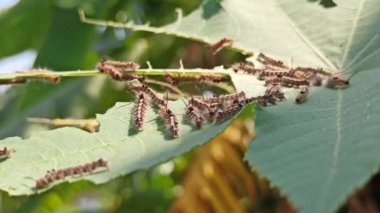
(89, 125)
(24, 76)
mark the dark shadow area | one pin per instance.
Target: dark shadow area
(132, 128)
(211, 8)
(3, 159)
(325, 3)
(163, 128)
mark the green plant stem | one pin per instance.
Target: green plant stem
(85, 73)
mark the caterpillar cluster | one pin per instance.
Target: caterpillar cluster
(146, 96)
(5, 152)
(220, 108)
(199, 110)
(116, 70)
(54, 175)
(277, 73)
(177, 79)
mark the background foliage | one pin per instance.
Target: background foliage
(52, 28)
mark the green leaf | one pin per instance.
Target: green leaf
(116, 141)
(319, 152)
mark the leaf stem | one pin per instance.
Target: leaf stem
(25, 75)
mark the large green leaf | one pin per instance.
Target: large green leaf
(319, 152)
(322, 151)
(116, 141)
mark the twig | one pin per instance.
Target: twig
(20, 77)
(89, 125)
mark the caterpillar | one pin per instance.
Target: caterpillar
(170, 120)
(54, 175)
(115, 70)
(205, 107)
(246, 67)
(276, 92)
(5, 152)
(194, 116)
(175, 80)
(337, 82)
(275, 72)
(125, 65)
(273, 80)
(139, 111)
(152, 96)
(294, 82)
(225, 99)
(262, 100)
(266, 60)
(302, 95)
(313, 70)
(224, 114)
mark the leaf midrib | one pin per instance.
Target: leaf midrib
(352, 33)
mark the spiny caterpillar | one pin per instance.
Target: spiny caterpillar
(170, 120)
(224, 114)
(266, 60)
(194, 116)
(206, 108)
(294, 82)
(275, 91)
(5, 152)
(176, 79)
(337, 82)
(246, 67)
(60, 174)
(151, 95)
(226, 99)
(275, 72)
(139, 111)
(302, 95)
(116, 70)
(123, 65)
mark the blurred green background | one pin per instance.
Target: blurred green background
(48, 33)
